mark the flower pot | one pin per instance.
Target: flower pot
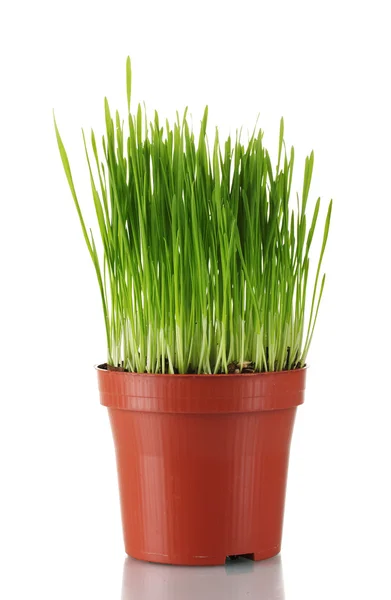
(202, 462)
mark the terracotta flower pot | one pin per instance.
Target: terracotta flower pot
(202, 462)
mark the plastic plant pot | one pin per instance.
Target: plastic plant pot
(202, 462)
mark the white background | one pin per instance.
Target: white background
(325, 67)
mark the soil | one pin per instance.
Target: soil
(233, 367)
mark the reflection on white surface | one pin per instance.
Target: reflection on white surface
(238, 579)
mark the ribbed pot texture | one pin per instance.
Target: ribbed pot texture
(202, 462)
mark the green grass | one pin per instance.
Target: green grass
(205, 264)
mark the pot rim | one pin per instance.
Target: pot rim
(99, 368)
(204, 393)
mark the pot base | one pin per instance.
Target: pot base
(202, 560)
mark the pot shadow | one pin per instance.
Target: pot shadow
(241, 578)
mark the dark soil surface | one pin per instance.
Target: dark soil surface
(233, 367)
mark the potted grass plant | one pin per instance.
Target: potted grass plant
(203, 272)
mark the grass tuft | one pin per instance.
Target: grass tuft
(205, 263)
